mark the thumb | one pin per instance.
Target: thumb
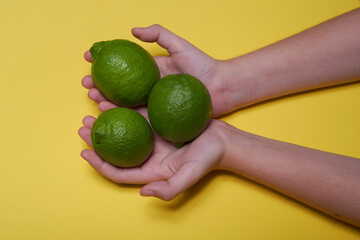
(165, 38)
(186, 176)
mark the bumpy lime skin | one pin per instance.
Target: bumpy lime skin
(122, 137)
(179, 108)
(123, 72)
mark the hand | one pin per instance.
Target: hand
(168, 171)
(183, 58)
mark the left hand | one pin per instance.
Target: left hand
(183, 58)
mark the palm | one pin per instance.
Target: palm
(191, 61)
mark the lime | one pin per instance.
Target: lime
(123, 72)
(179, 108)
(122, 137)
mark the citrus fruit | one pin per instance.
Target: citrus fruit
(179, 108)
(122, 137)
(123, 71)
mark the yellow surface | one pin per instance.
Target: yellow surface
(49, 192)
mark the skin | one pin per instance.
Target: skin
(325, 55)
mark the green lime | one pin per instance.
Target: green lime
(123, 72)
(179, 108)
(123, 137)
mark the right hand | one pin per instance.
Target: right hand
(183, 58)
(169, 170)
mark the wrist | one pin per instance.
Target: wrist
(234, 146)
(234, 84)
(240, 83)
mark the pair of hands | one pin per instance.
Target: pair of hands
(169, 170)
(288, 66)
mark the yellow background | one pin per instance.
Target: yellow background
(49, 192)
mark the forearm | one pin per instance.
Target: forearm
(327, 54)
(326, 181)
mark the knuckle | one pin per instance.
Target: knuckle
(156, 26)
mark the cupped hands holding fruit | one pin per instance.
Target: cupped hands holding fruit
(180, 118)
(279, 69)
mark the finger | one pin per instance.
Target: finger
(88, 121)
(96, 96)
(166, 39)
(87, 56)
(116, 174)
(166, 190)
(85, 134)
(166, 66)
(106, 105)
(104, 168)
(142, 110)
(88, 82)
